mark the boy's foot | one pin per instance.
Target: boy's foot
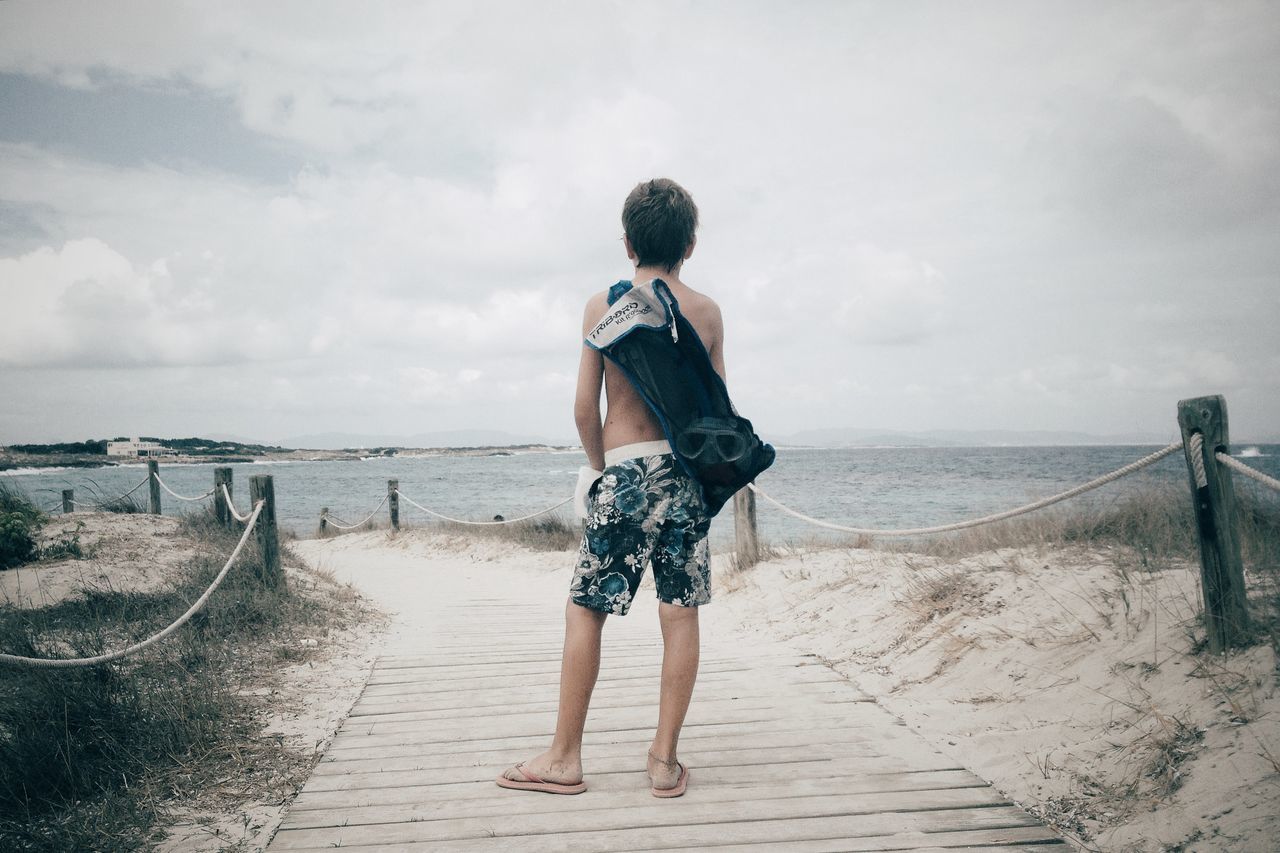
(667, 775)
(545, 773)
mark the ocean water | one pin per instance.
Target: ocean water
(866, 487)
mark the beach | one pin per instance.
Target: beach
(1065, 677)
(1071, 678)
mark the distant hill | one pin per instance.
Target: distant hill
(441, 438)
(960, 438)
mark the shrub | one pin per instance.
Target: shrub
(20, 521)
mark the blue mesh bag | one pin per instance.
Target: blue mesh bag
(660, 353)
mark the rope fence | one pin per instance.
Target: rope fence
(165, 486)
(1252, 473)
(444, 517)
(986, 519)
(1204, 442)
(230, 505)
(329, 518)
(21, 660)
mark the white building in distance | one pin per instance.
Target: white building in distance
(137, 447)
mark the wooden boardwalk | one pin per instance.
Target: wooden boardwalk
(784, 754)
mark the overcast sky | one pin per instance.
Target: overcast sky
(276, 219)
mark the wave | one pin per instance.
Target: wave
(1251, 453)
(19, 472)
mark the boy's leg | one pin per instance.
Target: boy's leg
(579, 666)
(680, 655)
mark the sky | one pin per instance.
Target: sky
(273, 220)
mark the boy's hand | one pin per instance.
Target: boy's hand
(586, 478)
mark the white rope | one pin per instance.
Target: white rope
(165, 486)
(1196, 446)
(154, 638)
(988, 519)
(1237, 465)
(464, 521)
(231, 507)
(329, 518)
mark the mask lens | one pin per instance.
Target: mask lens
(693, 444)
(731, 446)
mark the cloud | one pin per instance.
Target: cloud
(86, 304)
(1021, 213)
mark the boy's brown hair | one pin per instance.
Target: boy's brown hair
(659, 218)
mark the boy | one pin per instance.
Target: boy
(643, 509)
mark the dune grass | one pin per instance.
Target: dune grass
(1146, 530)
(91, 757)
(549, 532)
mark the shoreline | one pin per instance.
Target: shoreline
(21, 463)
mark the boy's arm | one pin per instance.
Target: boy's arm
(716, 350)
(586, 404)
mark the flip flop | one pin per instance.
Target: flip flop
(678, 789)
(535, 783)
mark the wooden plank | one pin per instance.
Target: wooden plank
(816, 774)
(499, 705)
(1017, 839)
(480, 833)
(800, 674)
(326, 809)
(602, 761)
(470, 819)
(354, 739)
(642, 691)
(501, 748)
(360, 734)
(446, 674)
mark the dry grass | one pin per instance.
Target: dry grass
(1143, 532)
(547, 533)
(91, 757)
(550, 532)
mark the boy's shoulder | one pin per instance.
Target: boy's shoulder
(696, 306)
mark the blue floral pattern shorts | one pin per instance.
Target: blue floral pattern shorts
(645, 510)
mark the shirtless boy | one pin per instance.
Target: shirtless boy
(644, 510)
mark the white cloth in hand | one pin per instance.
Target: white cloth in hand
(586, 477)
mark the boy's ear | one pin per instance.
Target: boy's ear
(631, 252)
(692, 243)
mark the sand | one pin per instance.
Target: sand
(1065, 677)
(139, 553)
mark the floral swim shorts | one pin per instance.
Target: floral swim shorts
(643, 510)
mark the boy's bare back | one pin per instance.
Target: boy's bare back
(628, 419)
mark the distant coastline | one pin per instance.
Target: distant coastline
(14, 460)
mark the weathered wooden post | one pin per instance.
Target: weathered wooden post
(262, 488)
(153, 477)
(1226, 613)
(222, 477)
(68, 500)
(746, 541)
(324, 521)
(393, 502)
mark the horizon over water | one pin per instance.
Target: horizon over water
(858, 486)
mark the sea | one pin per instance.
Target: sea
(863, 486)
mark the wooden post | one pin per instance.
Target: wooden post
(746, 540)
(1226, 613)
(153, 475)
(324, 521)
(393, 503)
(222, 477)
(68, 500)
(262, 488)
